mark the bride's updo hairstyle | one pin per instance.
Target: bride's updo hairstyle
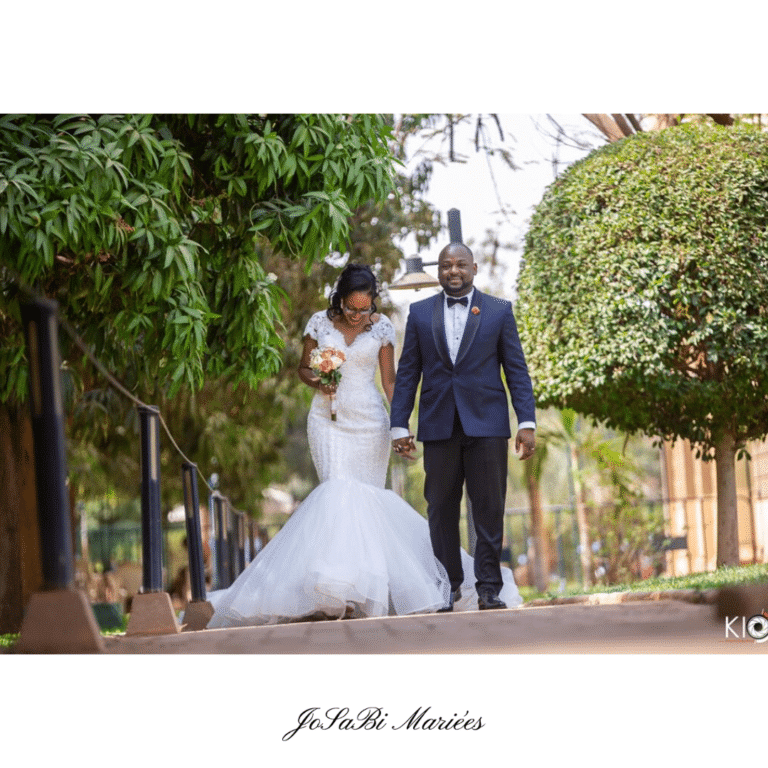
(355, 278)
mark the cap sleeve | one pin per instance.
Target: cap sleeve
(314, 325)
(385, 331)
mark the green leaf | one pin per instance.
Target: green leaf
(188, 259)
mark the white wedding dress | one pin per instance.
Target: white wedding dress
(351, 544)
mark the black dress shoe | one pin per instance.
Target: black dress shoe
(487, 600)
(452, 598)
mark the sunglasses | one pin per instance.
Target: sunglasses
(353, 312)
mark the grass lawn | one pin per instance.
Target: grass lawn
(723, 577)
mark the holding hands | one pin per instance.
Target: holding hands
(405, 446)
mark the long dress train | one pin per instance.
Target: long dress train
(351, 544)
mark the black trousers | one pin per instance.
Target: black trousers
(482, 463)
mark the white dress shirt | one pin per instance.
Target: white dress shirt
(454, 321)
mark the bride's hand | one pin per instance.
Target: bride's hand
(328, 389)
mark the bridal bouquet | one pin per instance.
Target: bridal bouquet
(326, 363)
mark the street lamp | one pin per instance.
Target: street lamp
(415, 277)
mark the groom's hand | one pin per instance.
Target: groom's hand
(404, 446)
(525, 440)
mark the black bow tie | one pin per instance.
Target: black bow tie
(463, 300)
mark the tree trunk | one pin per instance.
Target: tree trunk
(581, 520)
(727, 509)
(21, 571)
(540, 547)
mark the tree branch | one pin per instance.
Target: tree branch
(635, 123)
(606, 125)
(624, 127)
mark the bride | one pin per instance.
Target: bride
(352, 549)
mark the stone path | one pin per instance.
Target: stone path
(613, 625)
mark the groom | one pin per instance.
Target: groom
(457, 343)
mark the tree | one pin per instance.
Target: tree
(149, 231)
(644, 290)
(251, 436)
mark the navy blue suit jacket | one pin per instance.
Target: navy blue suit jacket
(472, 385)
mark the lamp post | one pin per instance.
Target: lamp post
(415, 277)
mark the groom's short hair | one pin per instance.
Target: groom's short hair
(461, 245)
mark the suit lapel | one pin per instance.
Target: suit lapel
(470, 329)
(438, 330)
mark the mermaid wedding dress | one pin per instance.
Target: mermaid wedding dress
(352, 545)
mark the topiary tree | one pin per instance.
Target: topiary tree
(643, 296)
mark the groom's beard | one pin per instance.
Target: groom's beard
(458, 290)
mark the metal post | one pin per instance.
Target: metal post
(58, 619)
(251, 540)
(194, 534)
(151, 525)
(40, 329)
(213, 484)
(222, 550)
(240, 543)
(231, 541)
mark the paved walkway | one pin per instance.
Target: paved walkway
(638, 626)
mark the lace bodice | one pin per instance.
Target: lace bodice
(325, 333)
(357, 444)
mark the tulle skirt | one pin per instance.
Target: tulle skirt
(352, 548)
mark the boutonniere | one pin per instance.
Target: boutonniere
(475, 310)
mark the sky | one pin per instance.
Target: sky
(480, 187)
